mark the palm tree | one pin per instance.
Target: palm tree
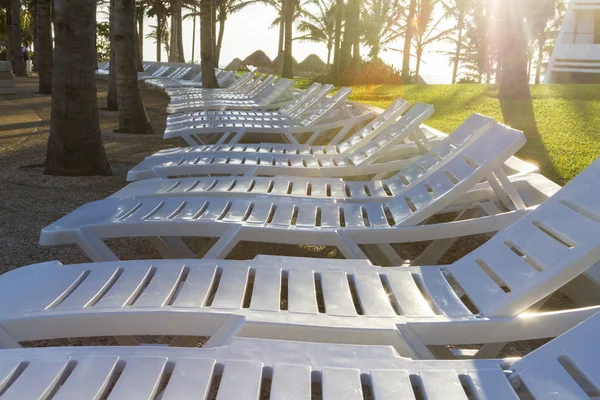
(412, 8)
(112, 97)
(513, 51)
(140, 13)
(459, 11)
(160, 10)
(15, 38)
(319, 27)
(160, 39)
(207, 45)
(427, 31)
(75, 144)
(44, 50)
(540, 17)
(380, 24)
(132, 115)
(288, 16)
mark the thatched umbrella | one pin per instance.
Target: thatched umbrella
(258, 59)
(276, 60)
(235, 64)
(312, 63)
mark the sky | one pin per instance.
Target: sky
(248, 30)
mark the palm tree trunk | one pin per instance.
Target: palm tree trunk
(222, 20)
(174, 55)
(339, 17)
(44, 51)
(194, 36)
(8, 16)
(407, 41)
(15, 37)
(540, 58)
(513, 77)
(213, 24)
(132, 115)
(418, 66)
(158, 37)
(75, 143)
(287, 51)
(112, 99)
(329, 46)
(207, 45)
(279, 66)
(140, 32)
(138, 56)
(459, 44)
(180, 51)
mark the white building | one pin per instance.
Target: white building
(576, 55)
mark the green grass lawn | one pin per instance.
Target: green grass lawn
(561, 122)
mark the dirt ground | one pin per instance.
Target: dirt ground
(29, 200)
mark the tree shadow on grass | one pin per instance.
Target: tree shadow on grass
(519, 114)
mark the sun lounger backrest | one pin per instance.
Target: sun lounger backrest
(309, 105)
(260, 86)
(392, 112)
(331, 103)
(277, 90)
(223, 79)
(532, 258)
(304, 96)
(394, 135)
(569, 364)
(242, 80)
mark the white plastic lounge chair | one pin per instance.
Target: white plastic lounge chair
(313, 113)
(224, 79)
(345, 225)
(363, 160)
(565, 368)
(252, 88)
(161, 71)
(269, 96)
(533, 188)
(177, 74)
(236, 87)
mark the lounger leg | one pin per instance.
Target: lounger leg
(126, 341)
(7, 341)
(224, 245)
(349, 248)
(94, 247)
(510, 189)
(223, 138)
(384, 255)
(342, 133)
(311, 140)
(238, 136)
(228, 330)
(172, 247)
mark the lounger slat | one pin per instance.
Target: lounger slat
(241, 380)
(37, 380)
(373, 298)
(95, 282)
(492, 385)
(571, 226)
(89, 379)
(190, 379)
(353, 214)
(299, 187)
(548, 378)
(140, 379)
(194, 290)
(376, 215)
(224, 184)
(125, 288)
(513, 271)
(189, 210)
(161, 287)
(213, 210)
(318, 189)
(301, 292)
(198, 185)
(419, 196)
(400, 210)
(280, 187)
(376, 189)
(338, 189)
(232, 287)
(407, 294)
(392, 385)
(283, 214)
(441, 293)
(357, 190)
(8, 367)
(579, 356)
(442, 385)
(336, 294)
(267, 289)
(291, 382)
(439, 183)
(540, 247)
(169, 208)
(341, 383)
(261, 186)
(330, 216)
(306, 216)
(477, 285)
(259, 214)
(460, 169)
(242, 184)
(237, 211)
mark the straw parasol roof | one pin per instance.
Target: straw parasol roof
(235, 64)
(312, 63)
(258, 59)
(276, 60)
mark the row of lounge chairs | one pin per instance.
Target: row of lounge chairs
(297, 328)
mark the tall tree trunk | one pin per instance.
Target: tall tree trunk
(280, 45)
(222, 20)
(8, 16)
(339, 18)
(346, 45)
(540, 58)
(513, 77)
(138, 56)
(140, 32)
(213, 24)
(418, 66)
(158, 38)
(112, 99)
(356, 60)
(174, 54)
(194, 36)
(288, 71)
(410, 28)
(180, 51)
(132, 115)
(75, 143)
(329, 46)
(44, 52)
(207, 45)
(459, 44)
(16, 37)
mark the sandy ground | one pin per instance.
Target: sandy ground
(30, 200)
